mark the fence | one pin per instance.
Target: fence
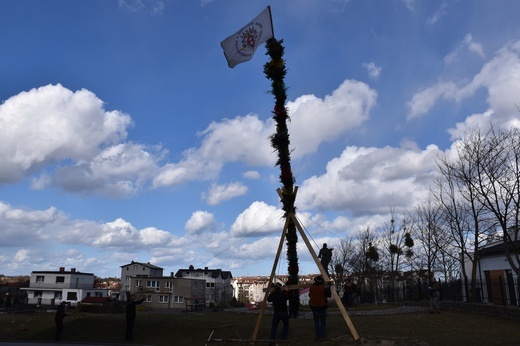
(500, 291)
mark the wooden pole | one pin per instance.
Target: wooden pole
(273, 272)
(342, 309)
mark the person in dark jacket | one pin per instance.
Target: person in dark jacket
(58, 319)
(279, 299)
(326, 255)
(318, 294)
(435, 295)
(130, 314)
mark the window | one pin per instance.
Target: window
(138, 283)
(72, 296)
(40, 278)
(164, 299)
(127, 268)
(128, 278)
(148, 298)
(57, 295)
(60, 279)
(178, 299)
(168, 284)
(152, 284)
(135, 266)
(210, 285)
(88, 294)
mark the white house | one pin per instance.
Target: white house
(497, 283)
(53, 287)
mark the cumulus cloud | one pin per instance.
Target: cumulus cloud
(231, 140)
(257, 220)
(20, 226)
(199, 222)
(220, 193)
(499, 76)
(67, 140)
(315, 120)
(117, 171)
(51, 124)
(367, 181)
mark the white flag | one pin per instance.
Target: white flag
(241, 46)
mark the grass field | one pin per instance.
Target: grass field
(159, 328)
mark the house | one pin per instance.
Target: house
(165, 292)
(251, 289)
(497, 282)
(137, 270)
(147, 281)
(217, 281)
(53, 287)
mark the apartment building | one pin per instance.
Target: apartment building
(217, 281)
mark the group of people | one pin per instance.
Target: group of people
(318, 294)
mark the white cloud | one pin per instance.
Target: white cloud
(50, 124)
(315, 120)
(220, 193)
(468, 44)
(437, 15)
(199, 222)
(117, 171)
(257, 220)
(231, 140)
(424, 100)
(373, 70)
(367, 181)
(500, 76)
(154, 7)
(251, 175)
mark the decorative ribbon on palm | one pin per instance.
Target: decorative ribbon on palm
(275, 71)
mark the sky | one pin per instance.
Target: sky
(124, 135)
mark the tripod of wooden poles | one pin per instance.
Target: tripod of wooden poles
(291, 216)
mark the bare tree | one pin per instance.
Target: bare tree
(479, 191)
(397, 243)
(342, 262)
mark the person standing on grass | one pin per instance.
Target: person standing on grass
(279, 298)
(348, 293)
(58, 319)
(318, 294)
(435, 295)
(130, 315)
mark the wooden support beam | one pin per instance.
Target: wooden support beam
(342, 309)
(273, 272)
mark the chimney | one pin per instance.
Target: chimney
(206, 268)
(72, 270)
(62, 269)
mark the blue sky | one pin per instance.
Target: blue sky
(125, 135)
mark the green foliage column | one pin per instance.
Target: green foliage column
(275, 71)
